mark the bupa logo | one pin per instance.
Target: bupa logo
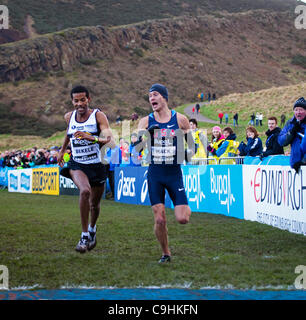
(220, 184)
(126, 186)
(192, 185)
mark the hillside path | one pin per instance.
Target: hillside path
(199, 116)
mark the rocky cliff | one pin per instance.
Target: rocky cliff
(63, 50)
(226, 53)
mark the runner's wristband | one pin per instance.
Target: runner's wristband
(96, 140)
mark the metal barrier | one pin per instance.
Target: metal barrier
(225, 160)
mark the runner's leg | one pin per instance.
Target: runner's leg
(160, 227)
(94, 201)
(81, 181)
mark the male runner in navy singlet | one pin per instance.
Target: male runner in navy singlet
(165, 128)
(85, 167)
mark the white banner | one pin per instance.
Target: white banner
(20, 180)
(275, 195)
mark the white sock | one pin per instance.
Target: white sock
(90, 229)
(85, 234)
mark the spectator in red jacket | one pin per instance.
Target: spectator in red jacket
(220, 115)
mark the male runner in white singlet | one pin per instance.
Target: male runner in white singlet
(85, 167)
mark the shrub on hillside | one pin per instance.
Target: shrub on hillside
(299, 60)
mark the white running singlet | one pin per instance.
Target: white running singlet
(84, 151)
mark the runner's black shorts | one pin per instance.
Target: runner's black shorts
(170, 178)
(96, 172)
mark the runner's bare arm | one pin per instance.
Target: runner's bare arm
(106, 136)
(60, 159)
(183, 123)
(143, 123)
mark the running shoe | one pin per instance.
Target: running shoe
(83, 244)
(92, 240)
(165, 258)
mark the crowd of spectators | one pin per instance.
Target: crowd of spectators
(23, 159)
(292, 134)
(222, 144)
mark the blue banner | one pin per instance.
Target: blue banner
(215, 189)
(127, 184)
(131, 186)
(279, 160)
(4, 176)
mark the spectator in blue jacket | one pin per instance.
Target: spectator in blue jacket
(293, 133)
(254, 144)
(135, 157)
(303, 145)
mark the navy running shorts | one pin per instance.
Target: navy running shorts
(170, 178)
(96, 172)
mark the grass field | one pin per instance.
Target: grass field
(38, 235)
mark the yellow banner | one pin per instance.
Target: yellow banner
(45, 180)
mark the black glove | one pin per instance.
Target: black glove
(297, 166)
(138, 144)
(152, 128)
(214, 152)
(209, 148)
(139, 140)
(261, 156)
(296, 128)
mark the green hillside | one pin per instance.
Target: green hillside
(50, 16)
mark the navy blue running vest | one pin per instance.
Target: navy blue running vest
(167, 143)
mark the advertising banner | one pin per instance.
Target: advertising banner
(127, 184)
(13, 180)
(214, 189)
(67, 186)
(45, 180)
(25, 181)
(275, 195)
(20, 180)
(131, 186)
(4, 176)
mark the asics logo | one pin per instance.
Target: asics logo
(126, 186)
(144, 189)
